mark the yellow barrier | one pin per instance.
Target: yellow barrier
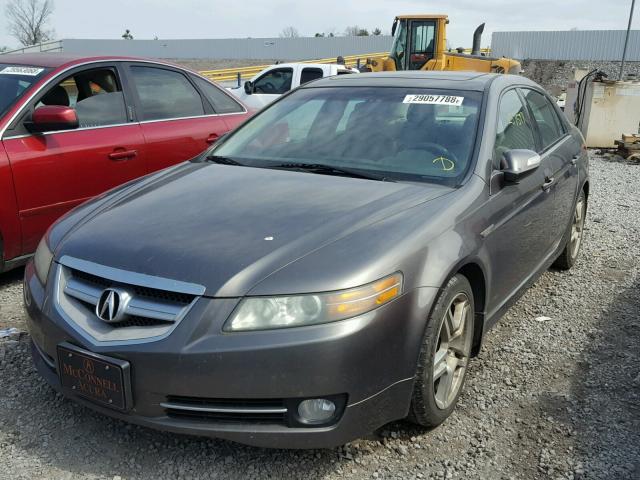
(227, 74)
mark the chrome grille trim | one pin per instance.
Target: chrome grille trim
(222, 409)
(156, 307)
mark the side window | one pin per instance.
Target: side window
(95, 94)
(221, 102)
(422, 44)
(545, 115)
(309, 74)
(514, 129)
(274, 82)
(165, 94)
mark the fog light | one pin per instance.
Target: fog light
(316, 410)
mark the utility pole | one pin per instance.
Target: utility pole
(626, 40)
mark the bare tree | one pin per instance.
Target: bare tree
(356, 31)
(28, 20)
(376, 31)
(127, 35)
(289, 32)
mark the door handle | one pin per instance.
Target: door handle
(213, 138)
(574, 159)
(122, 154)
(547, 183)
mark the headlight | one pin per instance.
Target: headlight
(42, 261)
(263, 313)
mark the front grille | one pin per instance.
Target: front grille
(222, 410)
(145, 306)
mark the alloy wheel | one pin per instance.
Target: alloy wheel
(452, 353)
(577, 227)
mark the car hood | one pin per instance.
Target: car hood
(228, 227)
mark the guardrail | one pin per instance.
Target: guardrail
(227, 74)
(238, 73)
(52, 46)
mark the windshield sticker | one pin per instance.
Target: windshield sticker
(434, 100)
(28, 71)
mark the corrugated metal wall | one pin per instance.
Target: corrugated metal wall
(241, 48)
(571, 45)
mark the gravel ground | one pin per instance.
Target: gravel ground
(547, 398)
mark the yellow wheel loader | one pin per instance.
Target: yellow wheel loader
(420, 44)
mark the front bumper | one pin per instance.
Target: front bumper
(369, 360)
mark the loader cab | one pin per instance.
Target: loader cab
(417, 40)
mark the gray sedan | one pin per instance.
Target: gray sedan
(329, 267)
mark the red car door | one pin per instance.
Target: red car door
(57, 170)
(177, 122)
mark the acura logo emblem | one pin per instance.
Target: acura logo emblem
(112, 305)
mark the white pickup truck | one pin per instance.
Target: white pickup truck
(278, 79)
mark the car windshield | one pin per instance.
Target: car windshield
(15, 80)
(396, 133)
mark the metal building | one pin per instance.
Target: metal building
(595, 45)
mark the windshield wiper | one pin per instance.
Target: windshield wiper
(331, 170)
(223, 160)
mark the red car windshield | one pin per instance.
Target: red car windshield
(15, 80)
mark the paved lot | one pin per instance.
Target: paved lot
(547, 398)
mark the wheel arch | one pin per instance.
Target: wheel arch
(474, 272)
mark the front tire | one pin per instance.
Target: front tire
(569, 254)
(444, 356)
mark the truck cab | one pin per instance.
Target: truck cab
(276, 80)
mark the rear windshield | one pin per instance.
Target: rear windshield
(15, 80)
(400, 133)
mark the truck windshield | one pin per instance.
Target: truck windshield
(396, 133)
(15, 80)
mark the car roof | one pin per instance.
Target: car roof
(477, 81)
(56, 60)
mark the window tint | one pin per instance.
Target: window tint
(545, 116)
(165, 94)
(274, 82)
(221, 102)
(514, 128)
(95, 94)
(309, 74)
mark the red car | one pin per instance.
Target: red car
(74, 127)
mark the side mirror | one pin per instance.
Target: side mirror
(49, 118)
(519, 163)
(248, 87)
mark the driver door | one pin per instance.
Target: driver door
(270, 86)
(57, 170)
(422, 38)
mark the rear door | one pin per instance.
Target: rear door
(55, 171)
(176, 121)
(559, 151)
(224, 104)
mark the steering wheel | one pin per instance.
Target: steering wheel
(445, 160)
(268, 87)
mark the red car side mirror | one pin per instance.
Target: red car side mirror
(49, 118)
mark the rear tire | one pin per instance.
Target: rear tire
(569, 254)
(444, 356)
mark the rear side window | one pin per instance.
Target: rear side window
(95, 94)
(220, 101)
(514, 128)
(545, 116)
(309, 74)
(165, 94)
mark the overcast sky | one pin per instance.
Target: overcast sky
(251, 18)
